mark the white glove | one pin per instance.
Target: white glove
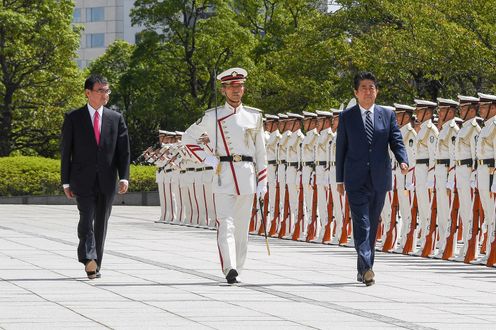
(410, 186)
(450, 185)
(473, 180)
(211, 161)
(261, 189)
(493, 187)
(430, 184)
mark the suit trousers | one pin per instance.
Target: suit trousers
(94, 212)
(233, 221)
(365, 205)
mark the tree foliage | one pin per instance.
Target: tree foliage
(39, 79)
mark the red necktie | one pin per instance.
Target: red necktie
(96, 127)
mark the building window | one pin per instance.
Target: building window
(95, 14)
(95, 40)
(76, 16)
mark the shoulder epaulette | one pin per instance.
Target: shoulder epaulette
(474, 122)
(252, 108)
(430, 124)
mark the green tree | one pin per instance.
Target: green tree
(38, 76)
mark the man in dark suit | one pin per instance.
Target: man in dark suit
(94, 149)
(363, 166)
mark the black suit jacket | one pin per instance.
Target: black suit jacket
(82, 160)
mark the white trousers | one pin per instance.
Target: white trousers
(233, 221)
(443, 206)
(386, 215)
(483, 182)
(423, 202)
(322, 201)
(463, 174)
(338, 210)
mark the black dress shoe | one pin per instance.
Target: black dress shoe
(359, 278)
(231, 276)
(368, 277)
(91, 269)
(98, 275)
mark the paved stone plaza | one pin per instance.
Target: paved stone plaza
(168, 276)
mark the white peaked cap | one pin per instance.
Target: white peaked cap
(282, 115)
(294, 115)
(467, 99)
(403, 107)
(324, 113)
(309, 114)
(388, 107)
(424, 103)
(352, 103)
(487, 97)
(449, 102)
(273, 117)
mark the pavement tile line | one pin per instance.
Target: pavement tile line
(258, 288)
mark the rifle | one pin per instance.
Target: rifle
(264, 219)
(450, 246)
(473, 241)
(312, 228)
(300, 217)
(390, 240)
(430, 239)
(413, 225)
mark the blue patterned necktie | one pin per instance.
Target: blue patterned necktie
(369, 128)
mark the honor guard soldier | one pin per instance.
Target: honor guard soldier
(272, 162)
(160, 162)
(174, 180)
(241, 167)
(486, 154)
(338, 201)
(285, 125)
(294, 167)
(308, 170)
(404, 183)
(444, 171)
(389, 226)
(465, 162)
(424, 166)
(322, 162)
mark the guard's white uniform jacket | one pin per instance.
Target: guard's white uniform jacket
(160, 161)
(240, 133)
(465, 157)
(405, 186)
(424, 175)
(486, 154)
(445, 172)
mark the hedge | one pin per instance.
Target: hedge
(22, 175)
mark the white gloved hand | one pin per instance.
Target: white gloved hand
(493, 187)
(410, 186)
(261, 189)
(450, 185)
(430, 184)
(473, 180)
(211, 161)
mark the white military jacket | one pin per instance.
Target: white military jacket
(426, 142)
(240, 133)
(486, 141)
(309, 144)
(271, 145)
(410, 141)
(323, 154)
(466, 140)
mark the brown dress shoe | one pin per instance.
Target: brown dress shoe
(90, 269)
(368, 277)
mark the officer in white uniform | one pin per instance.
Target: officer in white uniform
(322, 162)
(337, 199)
(404, 183)
(386, 213)
(285, 125)
(239, 147)
(444, 171)
(293, 169)
(465, 162)
(424, 166)
(486, 154)
(308, 168)
(272, 159)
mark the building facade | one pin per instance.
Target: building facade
(104, 21)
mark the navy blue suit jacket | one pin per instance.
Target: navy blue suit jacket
(356, 159)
